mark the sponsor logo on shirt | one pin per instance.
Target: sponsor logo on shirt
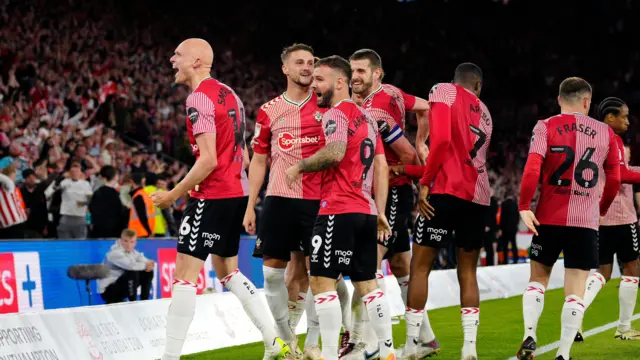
(286, 141)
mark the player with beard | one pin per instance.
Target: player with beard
(345, 232)
(388, 105)
(218, 183)
(618, 232)
(288, 129)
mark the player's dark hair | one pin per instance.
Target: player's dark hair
(367, 54)
(336, 62)
(375, 61)
(610, 105)
(573, 88)
(467, 73)
(293, 48)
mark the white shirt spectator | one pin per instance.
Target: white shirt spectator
(75, 197)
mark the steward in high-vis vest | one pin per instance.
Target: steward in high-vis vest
(160, 228)
(142, 216)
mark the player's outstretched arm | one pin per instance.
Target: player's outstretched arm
(204, 165)
(440, 140)
(406, 153)
(528, 186)
(421, 109)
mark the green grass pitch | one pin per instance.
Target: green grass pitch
(500, 331)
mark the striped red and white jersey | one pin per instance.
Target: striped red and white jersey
(460, 126)
(575, 149)
(622, 210)
(12, 208)
(347, 187)
(388, 105)
(214, 107)
(289, 132)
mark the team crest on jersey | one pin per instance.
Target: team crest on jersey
(330, 128)
(193, 114)
(318, 116)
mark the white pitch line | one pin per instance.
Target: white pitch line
(594, 331)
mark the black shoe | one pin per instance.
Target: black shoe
(527, 348)
(562, 358)
(578, 338)
(257, 249)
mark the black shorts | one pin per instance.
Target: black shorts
(452, 214)
(211, 227)
(398, 212)
(621, 240)
(580, 246)
(286, 225)
(345, 244)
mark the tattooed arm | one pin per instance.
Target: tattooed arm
(325, 158)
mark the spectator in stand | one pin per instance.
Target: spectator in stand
(105, 207)
(142, 216)
(138, 165)
(17, 157)
(509, 220)
(75, 195)
(12, 210)
(32, 190)
(128, 270)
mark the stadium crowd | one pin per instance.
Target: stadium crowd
(90, 82)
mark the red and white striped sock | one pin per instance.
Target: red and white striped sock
(179, 317)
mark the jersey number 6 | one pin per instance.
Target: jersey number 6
(584, 163)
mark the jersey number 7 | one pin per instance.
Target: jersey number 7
(584, 163)
(482, 138)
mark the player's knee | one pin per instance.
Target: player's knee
(323, 281)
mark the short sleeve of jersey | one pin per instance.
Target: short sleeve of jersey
(387, 125)
(379, 147)
(409, 101)
(335, 125)
(442, 93)
(262, 137)
(539, 139)
(202, 113)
